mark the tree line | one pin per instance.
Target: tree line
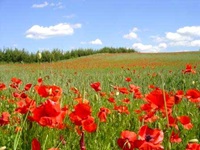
(9, 55)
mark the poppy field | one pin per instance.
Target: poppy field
(102, 102)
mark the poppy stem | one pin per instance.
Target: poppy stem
(165, 103)
(82, 142)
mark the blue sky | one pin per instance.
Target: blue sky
(145, 25)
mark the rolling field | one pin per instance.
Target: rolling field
(102, 102)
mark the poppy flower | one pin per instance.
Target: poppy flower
(185, 121)
(123, 90)
(111, 100)
(24, 105)
(126, 140)
(128, 79)
(175, 138)
(35, 144)
(193, 95)
(188, 69)
(178, 96)
(49, 114)
(2, 86)
(49, 91)
(149, 138)
(102, 114)
(15, 82)
(27, 86)
(89, 124)
(173, 122)
(122, 109)
(4, 119)
(193, 146)
(157, 100)
(96, 86)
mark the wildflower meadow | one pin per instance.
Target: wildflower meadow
(128, 101)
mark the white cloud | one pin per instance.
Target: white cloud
(131, 34)
(177, 37)
(96, 42)
(40, 32)
(162, 46)
(195, 43)
(190, 30)
(45, 4)
(40, 5)
(149, 48)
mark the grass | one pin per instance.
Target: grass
(110, 70)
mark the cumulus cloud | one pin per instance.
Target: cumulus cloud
(40, 32)
(177, 37)
(40, 5)
(190, 30)
(149, 48)
(96, 42)
(195, 43)
(131, 34)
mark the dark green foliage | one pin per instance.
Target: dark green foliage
(9, 55)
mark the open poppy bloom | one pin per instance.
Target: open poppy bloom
(126, 140)
(188, 69)
(185, 121)
(149, 139)
(193, 95)
(49, 114)
(193, 146)
(175, 138)
(157, 100)
(4, 119)
(123, 90)
(49, 91)
(96, 86)
(2, 86)
(25, 104)
(81, 116)
(122, 109)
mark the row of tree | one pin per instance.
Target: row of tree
(20, 55)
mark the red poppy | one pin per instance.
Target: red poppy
(126, 140)
(4, 119)
(27, 86)
(193, 95)
(49, 114)
(122, 109)
(185, 121)
(150, 138)
(193, 146)
(111, 99)
(25, 105)
(173, 122)
(89, 124)
(96, 86)
(128, 79)
(178, 96)
(15, 82)
(35, 144)
(175, 138)
(102, 114)
(81, 112)
(188, 69)
(157, 100)
(49, 91)
(2, 86)
(123, 90)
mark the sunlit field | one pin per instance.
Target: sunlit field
(102, 102)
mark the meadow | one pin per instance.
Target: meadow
(102, 102)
